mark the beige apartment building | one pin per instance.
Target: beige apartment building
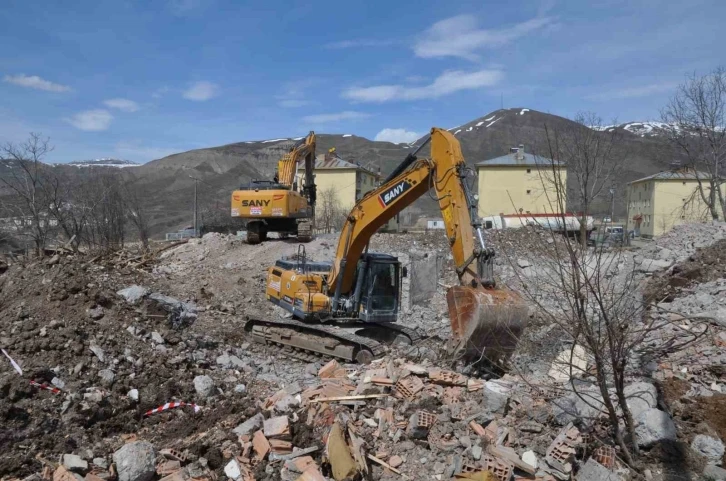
(518, 183)
(348, 181)
(658, 202)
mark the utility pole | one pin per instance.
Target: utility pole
(196, 230)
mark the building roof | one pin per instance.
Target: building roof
(327, 161)
(674, 174)
(518, 157)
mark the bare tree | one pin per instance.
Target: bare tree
(29, 180)
(329, 214)
(137, 213)
(593, 160)
(695, 121)
(589, 300)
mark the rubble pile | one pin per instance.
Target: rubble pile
(136, 368)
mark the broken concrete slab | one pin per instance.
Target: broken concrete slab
(641, 396)
(135, 461)
(709, 447)
(134, 294)
(75, 463)
(594, 471)
(249, 426)
(653, 426)
(571, 362)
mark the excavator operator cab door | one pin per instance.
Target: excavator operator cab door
(380, 289)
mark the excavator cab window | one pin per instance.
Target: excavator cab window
(381, 290)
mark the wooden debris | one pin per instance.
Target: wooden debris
(349, 398)
(384, 464)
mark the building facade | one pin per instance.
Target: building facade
(658, 202)
(520, 183)
(346, 181)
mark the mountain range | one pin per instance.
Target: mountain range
(166, 185)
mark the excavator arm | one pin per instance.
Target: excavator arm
(287, 166)
(445, 176)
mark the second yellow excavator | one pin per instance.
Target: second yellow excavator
(277, 206)
(347, 309)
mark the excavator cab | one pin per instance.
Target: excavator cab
(379, 287)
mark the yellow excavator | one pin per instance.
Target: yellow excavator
(347, 308)
(277, 205)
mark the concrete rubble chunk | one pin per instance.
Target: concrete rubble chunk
(240, 389)
(653, 426)
(653, 265)
(107, 377)
(204, 386)
(709, 447)
(134, 294)
(714, 473)
(98, 352)
(594, 471)
(395, 461)
(135, 461)
(230, 361)
(571, 362)
(641, 396)
(181, 314)
(75, 463)
(133, 394)
(251, 425)
(585, 406)
(496, 396)
(157, 338)
(232, 470)
(530, 458)
(100, 462)
(96, 313)
(523, 263)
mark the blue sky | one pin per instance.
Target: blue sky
(128, 80)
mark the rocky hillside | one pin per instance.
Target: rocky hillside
(167, 184)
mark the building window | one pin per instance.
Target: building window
(529, 191)
(684, 183)
(529, 171)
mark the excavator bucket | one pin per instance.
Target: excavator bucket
(486, 323)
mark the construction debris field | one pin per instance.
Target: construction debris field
(106, 340)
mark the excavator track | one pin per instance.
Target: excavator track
(309, 342)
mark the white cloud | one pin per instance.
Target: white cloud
(124, 105)
(633, 92)
(35, 82)
(460, 37)
(91, 120)
(360, 42)
(397, 136)
(201, 91)
(293, 103)
(447, 83)
(337, 117)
